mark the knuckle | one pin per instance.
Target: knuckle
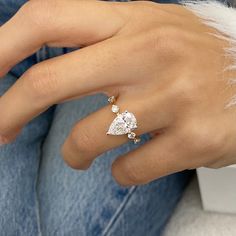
(69, 160)
(204, 139)
(167, 41)
(40, 82)
(39, 13)
(130, 173)
(74, 164)
(183, 90)
(70, 156)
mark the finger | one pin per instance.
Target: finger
(57, 23)
(89, 70)
(88, 138)
(159, 157)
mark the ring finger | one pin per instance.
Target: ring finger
(88, 138)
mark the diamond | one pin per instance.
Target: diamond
(130, 120)
(111, 99)
(131, 135)
(115, 108)
(124, 123)
(137, 140)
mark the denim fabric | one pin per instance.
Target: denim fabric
(40, 195)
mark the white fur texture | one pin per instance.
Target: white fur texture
(223, 18)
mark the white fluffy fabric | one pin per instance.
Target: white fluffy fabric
(223, 18)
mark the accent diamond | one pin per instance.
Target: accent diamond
(111, 99)
(124, 123)
(137, 140)
(131, 135)
(115, 108)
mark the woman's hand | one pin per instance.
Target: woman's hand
(159, 60)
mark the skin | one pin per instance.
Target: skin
(159, 60)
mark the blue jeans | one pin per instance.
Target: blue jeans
(40, 195)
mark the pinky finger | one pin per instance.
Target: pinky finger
(159, 157)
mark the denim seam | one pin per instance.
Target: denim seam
(37, 210)
(119, 211)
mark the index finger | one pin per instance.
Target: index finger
(56, 23)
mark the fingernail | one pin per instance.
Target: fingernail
(3, 140)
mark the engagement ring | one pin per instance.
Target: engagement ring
(124, 123)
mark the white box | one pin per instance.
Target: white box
(218, 189)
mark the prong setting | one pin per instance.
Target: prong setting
(112, 99)
(115, 108)
(124, 123)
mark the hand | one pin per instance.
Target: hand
(158, 59)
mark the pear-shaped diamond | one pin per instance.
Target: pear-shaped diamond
(124, 123)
